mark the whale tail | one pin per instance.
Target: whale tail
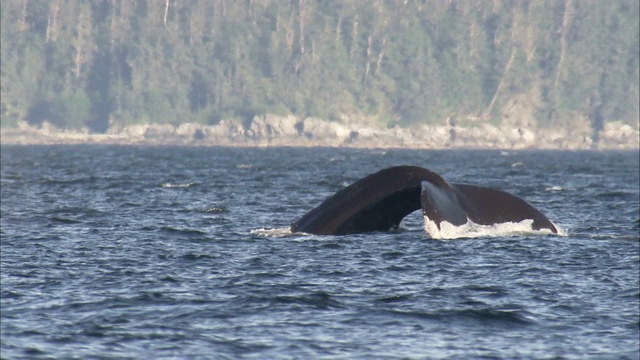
(380, 201)
(377, 202)
(458, 204)
(486, 206)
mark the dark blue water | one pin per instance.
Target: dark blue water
(175, 252)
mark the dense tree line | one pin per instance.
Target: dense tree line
(81, 63)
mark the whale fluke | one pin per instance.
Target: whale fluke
(377, 202)
(381, 200)
(487, 206)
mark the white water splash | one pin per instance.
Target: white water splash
(446, 231)
(473, 230)
(554, 188)
(170, 185)
(277, 232)
(212, 210)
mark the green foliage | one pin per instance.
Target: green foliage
(65, 111)
(70, 111)
(88, 64)
(158, 108)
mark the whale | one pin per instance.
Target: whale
(380, 201)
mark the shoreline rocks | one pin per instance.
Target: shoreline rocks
(273, 130)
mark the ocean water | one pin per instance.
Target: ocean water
(183, 252)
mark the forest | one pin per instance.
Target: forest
(93, 64)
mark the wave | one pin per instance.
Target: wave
(604, 236)
(192, 232)
(64, 220)
(211, 210)
(473, 230)
(318, 299)
(66, 181)
(485, 315)
(191, 257)
(171, 185)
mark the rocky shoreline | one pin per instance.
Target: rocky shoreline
(272, 130)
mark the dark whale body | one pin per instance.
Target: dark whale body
(381, 200)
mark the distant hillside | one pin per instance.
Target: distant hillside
(531, 64)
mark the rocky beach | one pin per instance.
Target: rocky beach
(272, 130)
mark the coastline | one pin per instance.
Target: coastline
(277, 131)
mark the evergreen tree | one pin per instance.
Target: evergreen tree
(93, 64)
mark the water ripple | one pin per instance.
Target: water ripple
(138, 252)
